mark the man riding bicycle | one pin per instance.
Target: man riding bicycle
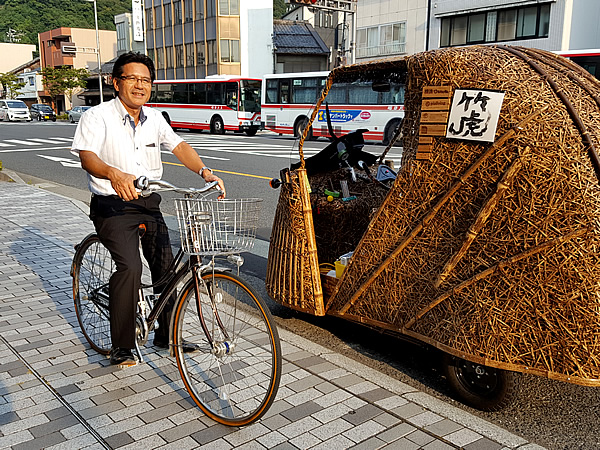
(117, 142)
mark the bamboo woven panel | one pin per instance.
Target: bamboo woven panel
(293, 277)
(492, 251)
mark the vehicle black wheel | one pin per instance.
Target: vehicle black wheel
(92, 268)
(54, 120)
(71, 119)
(299, 128)
(481, 387)
(217, 126)
(390, 129)
(39, 119)
(234, 377)
(251, 132)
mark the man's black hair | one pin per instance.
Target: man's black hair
(132, 57)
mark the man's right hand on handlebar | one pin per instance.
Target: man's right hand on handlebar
(209, 177)
(123, 184)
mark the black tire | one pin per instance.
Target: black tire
(390, 129)
(235, 376)
(217, 126)
(92, 268)
(39, 119)
(481, 387)
(299, 126)
(251, 132)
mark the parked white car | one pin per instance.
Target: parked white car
(14, 110)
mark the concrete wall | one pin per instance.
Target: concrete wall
(87, 38)
(586, 31)
(14, 55)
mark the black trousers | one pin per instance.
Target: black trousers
(117, 223)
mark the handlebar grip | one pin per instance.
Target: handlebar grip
(141, 183)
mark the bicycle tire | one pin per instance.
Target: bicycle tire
(92, 268)
(235, 381)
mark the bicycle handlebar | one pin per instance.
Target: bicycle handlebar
(146, 185)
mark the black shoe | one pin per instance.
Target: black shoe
(186, 346)
(122, 357)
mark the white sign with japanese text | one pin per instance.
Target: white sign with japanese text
(138, 20)
(474, 114)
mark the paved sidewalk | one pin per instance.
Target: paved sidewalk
(56, 392)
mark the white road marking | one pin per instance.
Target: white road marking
(18, 141)
(64, 161)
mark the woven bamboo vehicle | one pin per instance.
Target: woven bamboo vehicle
(489, 251)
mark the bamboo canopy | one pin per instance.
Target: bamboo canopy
(487, 250)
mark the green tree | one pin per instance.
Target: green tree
(62, 81)
(279, 9)
(11, 85)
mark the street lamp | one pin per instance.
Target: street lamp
(97, 49)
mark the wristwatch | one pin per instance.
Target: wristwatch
(201, 171)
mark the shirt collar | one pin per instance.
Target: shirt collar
(125, 115)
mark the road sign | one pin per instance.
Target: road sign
(75, 49)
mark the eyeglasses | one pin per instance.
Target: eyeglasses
(132, 80)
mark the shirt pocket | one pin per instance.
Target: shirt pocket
(152, 156)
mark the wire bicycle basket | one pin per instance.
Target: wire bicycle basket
(217, 227)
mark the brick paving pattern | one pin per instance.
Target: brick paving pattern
(58, 393)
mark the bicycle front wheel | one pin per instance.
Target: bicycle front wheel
(92, 268)
(235, 376)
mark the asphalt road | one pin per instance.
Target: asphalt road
(554, 414)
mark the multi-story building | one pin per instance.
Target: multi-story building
(14, 55)
(397, 27)
(125, 41)
(51, 55)
(198, 38)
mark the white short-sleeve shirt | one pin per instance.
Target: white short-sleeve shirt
(108, 131)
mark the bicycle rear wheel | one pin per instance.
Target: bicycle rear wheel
(92, 268)
(235, 376)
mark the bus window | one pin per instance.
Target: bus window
(180, 94)
(198, 93)
(215, 94)
(305, 90)
(284, 91)
(338, 94)
(231, 92)
(395, 96)
(362, 94)
(250, 92)
(271, 91)
(164, 94)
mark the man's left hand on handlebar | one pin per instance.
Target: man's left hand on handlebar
(209, 176)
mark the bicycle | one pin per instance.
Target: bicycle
(235, 376)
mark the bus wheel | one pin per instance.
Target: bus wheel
(251, 132)
(217, 126)
(168, 119)
(390, 129)
(299, 128)
(481, 387)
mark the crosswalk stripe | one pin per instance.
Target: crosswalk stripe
(6, 145)
(63, 139)
(46, 141)
(18, 141)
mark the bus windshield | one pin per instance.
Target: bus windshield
(250, 95)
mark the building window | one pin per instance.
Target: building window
(179, 56)
(158, 17)
(388, 39)
(177, 12)
(230, 50)
(169, 57)
(210, 8)
(189, 55)
(160, 58)
(149, 21)
(31, 81)
(168, 16)
(229, 7)
(530, 22)
(188, 11)
(211, 51)
(122, 30)
(200, 53)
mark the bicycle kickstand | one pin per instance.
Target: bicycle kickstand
(139, 352)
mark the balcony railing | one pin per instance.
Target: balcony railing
(395, 48)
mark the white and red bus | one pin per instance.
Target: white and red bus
(287, 100)
(216, 103)
(589, 59)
